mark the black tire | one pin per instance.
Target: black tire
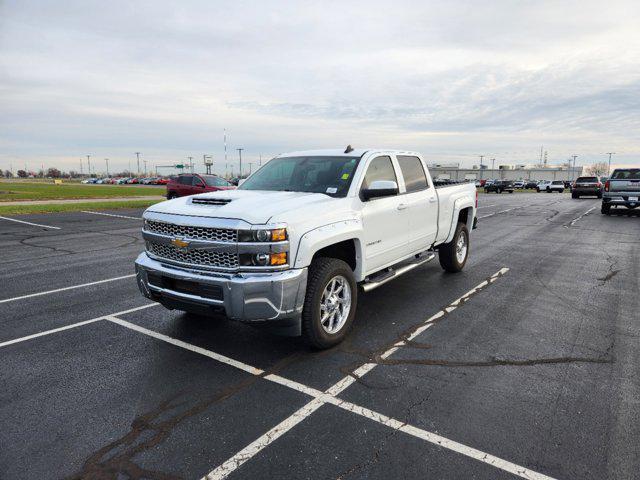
(561, 191)
(447, 252)
(486, 190)
(605, 209)
(510, 191)
(538, 190)
(600, 195)
(321, 271)
(172, 195)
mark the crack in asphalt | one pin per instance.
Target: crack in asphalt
(116, 459)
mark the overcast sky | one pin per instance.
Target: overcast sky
(450, 79)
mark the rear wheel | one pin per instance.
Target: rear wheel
(561, 190)
(330, 303)
(453, 255)
(605, 209)
(172, 195)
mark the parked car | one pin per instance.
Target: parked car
(550, 186)
(290, 246)
(194, 183)
(621, 190)
(519, 184)
(162, 181)
(531, 185)
(499, 186)
(586, 186)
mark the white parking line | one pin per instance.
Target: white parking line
(73, 325)
(31, 295)
(330, 396)
(111, 215)
(185, 345)
(29, 223)
(487, 206)
(573, 222)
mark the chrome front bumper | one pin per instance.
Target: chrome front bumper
(249, 297)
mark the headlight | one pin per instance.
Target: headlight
(263, 235)
(274, 235)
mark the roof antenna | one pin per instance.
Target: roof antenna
(349, 149)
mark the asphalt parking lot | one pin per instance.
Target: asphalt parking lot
(525, 365)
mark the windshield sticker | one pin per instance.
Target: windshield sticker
(345, 176)
(332, 190)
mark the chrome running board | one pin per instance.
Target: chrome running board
(390, 273)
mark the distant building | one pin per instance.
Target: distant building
(506, 172)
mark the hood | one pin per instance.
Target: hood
(253, 206)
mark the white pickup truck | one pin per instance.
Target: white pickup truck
(291, 246)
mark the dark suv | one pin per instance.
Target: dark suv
(193, 183)
(499, 186)
(586, 186)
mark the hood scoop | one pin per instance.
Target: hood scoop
(210, 201)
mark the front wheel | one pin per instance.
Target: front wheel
(562, 191)
(329, 304)
(172, 195)
(453, 255)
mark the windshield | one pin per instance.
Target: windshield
(587, 179)
(328, 175)
(214, 181)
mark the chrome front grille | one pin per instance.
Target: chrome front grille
(202, 258)
(194, 233)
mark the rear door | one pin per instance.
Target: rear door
(184, 185)
(421, 202)
(385, 219)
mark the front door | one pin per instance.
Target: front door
(384, 219)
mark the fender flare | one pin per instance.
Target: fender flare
(326, 235)
(459, 205)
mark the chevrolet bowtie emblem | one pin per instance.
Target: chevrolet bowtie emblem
(180, 243)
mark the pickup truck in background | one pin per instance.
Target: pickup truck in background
(622, 189)
(291, 247)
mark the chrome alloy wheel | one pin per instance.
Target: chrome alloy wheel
(461, 248)
(335, 304)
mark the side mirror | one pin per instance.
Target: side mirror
(380, 188)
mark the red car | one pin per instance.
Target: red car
(193, 183)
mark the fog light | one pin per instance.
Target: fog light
(279, 258)
(261, 259)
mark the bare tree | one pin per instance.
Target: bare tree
(598, 169)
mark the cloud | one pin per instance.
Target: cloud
(450, 79)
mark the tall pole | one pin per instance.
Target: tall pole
(225, 146)
(80, 167)
(609, 170)
(191, 163)
(145, 167)
(493, 163)
(106, 160)
(574, 166)
(250, 164)
(138, 158)
(240, 154)
(481, 157)
(89, 164)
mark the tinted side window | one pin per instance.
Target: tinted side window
(380, 168)
(184, 179)
(196, 181)
(414, 177)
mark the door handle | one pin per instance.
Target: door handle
(402, 206)
(432, 200)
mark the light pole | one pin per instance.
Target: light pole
(106, 160)
(80, 167)
(89, 164)
(609, 169)
(240, 154)
(481, 158)
(574, 165)
(145, 167)
(138, 158)
(493, 164)
(191, 163)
